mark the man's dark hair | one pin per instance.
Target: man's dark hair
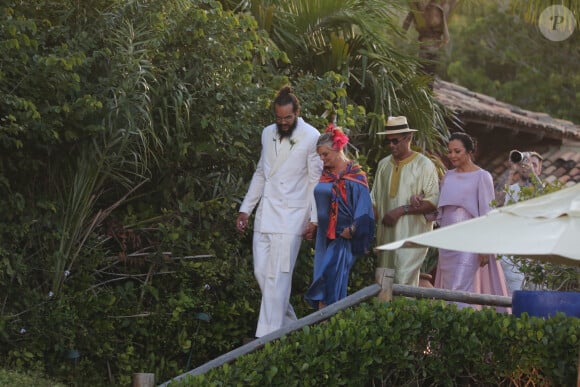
(285, 97)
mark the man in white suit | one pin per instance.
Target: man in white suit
(283, 184)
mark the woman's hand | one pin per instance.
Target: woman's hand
(347, 233)
(416, 200)
(483, 259)
(310, 231)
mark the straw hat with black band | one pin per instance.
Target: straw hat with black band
(397, 125)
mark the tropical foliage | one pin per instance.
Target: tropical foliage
(359, 40)
(531, 9)
(24, 379)
(500, 54)
(120, 123)
(128, 131)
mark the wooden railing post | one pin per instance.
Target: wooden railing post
(385, 278)
(143, 380)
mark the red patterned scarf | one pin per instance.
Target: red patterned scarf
(353, 172)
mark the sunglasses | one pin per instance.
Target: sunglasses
(395, 141)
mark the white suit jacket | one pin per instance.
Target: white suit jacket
(284, 181)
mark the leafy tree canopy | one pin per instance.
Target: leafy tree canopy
(498, 53)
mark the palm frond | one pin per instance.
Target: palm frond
(358, 39)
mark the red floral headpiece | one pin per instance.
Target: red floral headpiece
(339, 139)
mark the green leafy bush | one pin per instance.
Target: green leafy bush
(412, 343)
(19, 379)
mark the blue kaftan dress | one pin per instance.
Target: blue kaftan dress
(334, 258)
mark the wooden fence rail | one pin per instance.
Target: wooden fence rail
(384, 289)
(452, 295)
(321, 315)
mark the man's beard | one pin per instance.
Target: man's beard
(283, 134)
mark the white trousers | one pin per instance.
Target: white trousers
(274, 260)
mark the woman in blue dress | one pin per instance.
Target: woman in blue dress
(345, 220)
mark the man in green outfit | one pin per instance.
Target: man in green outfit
(405, 189)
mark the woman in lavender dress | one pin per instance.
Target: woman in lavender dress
(466, 193)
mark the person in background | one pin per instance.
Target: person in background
(283, 184)
(466, 192)
(525, 169)
(405, 189)
(345, 220)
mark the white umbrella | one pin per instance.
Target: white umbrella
(546, 227)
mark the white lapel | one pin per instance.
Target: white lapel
(284, 149)
(272, 148)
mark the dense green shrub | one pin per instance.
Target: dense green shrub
(21, 379)
(414, 343)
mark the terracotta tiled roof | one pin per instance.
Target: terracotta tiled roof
(500, 127)
(563, 165)
(472, 107)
